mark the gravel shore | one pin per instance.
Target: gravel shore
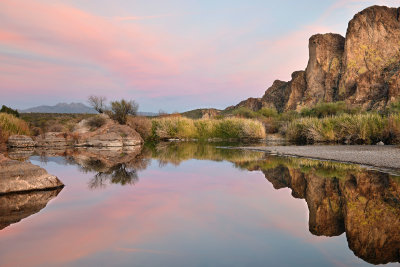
(387, 157)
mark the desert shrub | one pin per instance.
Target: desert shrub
(268, 112)
(5, 109)
(321, 110)
(10, 125)
(121, 109)
(56, 128)
(142, 125)
(244, 113)
(96, 122)
(228, 128)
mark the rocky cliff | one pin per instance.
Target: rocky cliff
(362, 69)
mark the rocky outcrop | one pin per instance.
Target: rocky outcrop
(362, 69)
(111, 134)
(16, 176)
(20, 141)
(15, 207)
(371, 58)
(323, 69)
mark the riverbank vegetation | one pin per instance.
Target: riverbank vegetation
(10, 125)
(206, 129)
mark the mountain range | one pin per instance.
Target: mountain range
(70, 108)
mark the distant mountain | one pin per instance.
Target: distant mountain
(61, 108)
(71, 108)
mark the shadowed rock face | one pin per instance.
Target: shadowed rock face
(17, 206)
(323, 69)
(363, 204)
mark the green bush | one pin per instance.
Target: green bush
(321, 110)
(5, 109)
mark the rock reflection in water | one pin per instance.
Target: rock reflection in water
(364, 204)
(17, 206)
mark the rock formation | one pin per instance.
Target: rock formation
(362, 69)
(16, 176)
(111, 134)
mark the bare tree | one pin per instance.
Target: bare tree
(98, 103)
(121, 109)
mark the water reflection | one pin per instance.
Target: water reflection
(341, 198)
(364, 204)
(17, 206)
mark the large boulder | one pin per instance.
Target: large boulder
(20, 141)
(110, 134)
(16, 176)
(371, 58)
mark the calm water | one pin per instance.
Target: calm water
(198, 205)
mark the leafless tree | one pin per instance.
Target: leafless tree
(98, 103)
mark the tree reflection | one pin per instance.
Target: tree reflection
(118, 174)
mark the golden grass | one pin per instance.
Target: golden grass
(10, 125)
(203, 129)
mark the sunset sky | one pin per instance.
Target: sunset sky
(173, 55)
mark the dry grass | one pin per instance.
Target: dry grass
(228, 128)
(142, 125)
(10, 125)
(368, 128)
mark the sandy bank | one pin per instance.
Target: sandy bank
(387, 157)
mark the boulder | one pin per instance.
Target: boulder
(20, 141)
(17, 176)
(111, 134)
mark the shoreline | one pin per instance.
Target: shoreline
(386, 158)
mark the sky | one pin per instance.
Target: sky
(173, 55)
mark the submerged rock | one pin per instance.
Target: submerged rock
(16, 176)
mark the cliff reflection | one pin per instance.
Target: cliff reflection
(364, 204)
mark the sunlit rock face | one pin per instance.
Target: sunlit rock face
(16, 176)
(17, 206)
(362, 69)
(371, 58)
(344, 198)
